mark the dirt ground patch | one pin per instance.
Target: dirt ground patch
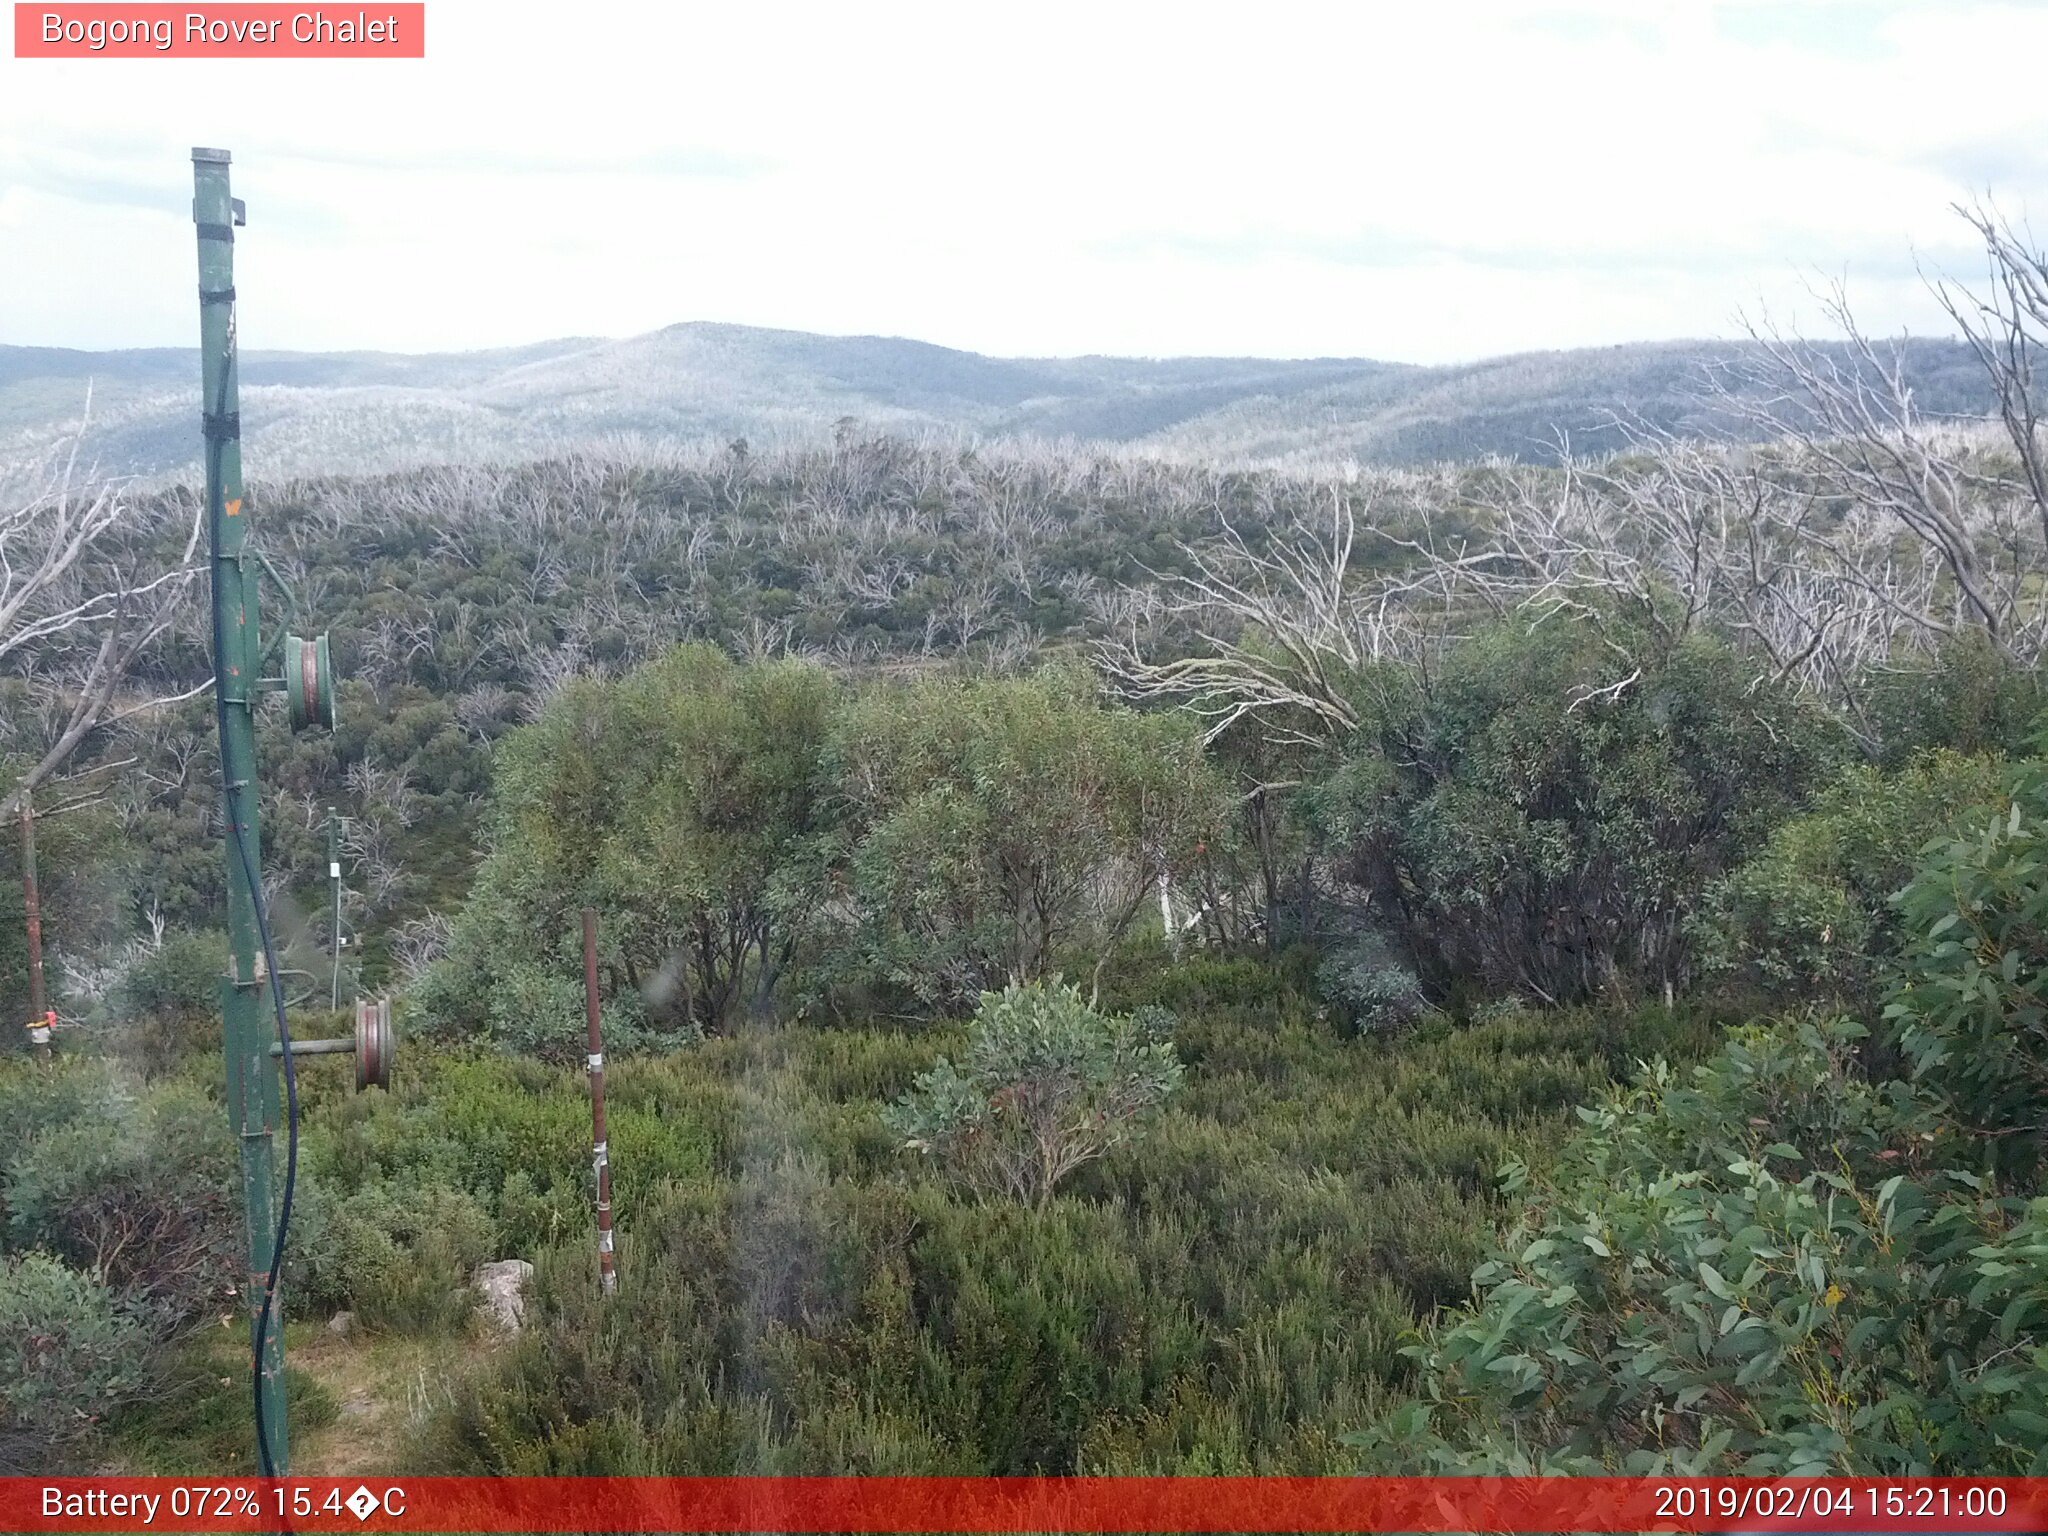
(384, 1385)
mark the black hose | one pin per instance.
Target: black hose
(215, 448)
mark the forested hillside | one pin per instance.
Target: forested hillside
(1111, 964)
(346, 413)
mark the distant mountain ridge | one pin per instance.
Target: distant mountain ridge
(348, 412)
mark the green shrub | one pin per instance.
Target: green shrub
(1205, 984)
(1971, 1008)
(68, 1356)
(517, 988)
(398, 1256)
(761, 841)
(1045, 1318)
(1539, 817)
(1370, 986)
(180, 977)
(682, 801)
(1229, 1291)
(1967, 698)
(1771, 1268)
(531, 1216)
(137, 1187)
(483, 1124)
(39, 1097)
(995, 827)
(1810, 915)
(1045, 1085)
(166, 1005)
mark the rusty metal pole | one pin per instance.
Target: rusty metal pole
(31, 900)
(600, 1153)
(334, 881)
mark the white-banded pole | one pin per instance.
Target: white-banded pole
(334, 883)
(600, 1151)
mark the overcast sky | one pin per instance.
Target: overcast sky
(1423, 182)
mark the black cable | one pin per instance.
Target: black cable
(215, 446)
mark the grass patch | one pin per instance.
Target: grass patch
(202, 1425)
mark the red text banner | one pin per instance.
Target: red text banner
(969, 1504)
(216, 31)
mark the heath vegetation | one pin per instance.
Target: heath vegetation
(1110, 965)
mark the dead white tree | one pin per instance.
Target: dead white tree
(418, 942)
(2006, 325)
(484, 710)
(1972, 509)
(1863, 532)
(1279, 627)
(1275, 628)
(1862, 437)
(82, 602)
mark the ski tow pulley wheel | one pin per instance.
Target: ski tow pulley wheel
(373, 1044)
(309, 683)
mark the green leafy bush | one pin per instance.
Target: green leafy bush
(39, 1097)
(1367, 983)
(1967, 697)
(1539, 818)
(681, 800)
(1046, 1084)
(511, 1133)
(758, 837)
(167, 1002)
(1774, 1268)
(996, 827)
(1810, 915)
(136, 1186)
(1228, 1292)
(399, 1256)
(68, 1357)
(1971, 1010)
(181, 976)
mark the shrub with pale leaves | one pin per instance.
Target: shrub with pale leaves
(1047, 1084)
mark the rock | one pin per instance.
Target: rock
(342, 1324)
(502, 1287)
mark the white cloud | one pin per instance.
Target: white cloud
(1420, 182)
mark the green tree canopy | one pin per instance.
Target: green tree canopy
(755, 834)
(681, 801)
(1542, 813)
(994, 826)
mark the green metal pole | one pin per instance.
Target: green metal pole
(250, 1028)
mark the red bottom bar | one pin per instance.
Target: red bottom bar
(1931, 1506)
